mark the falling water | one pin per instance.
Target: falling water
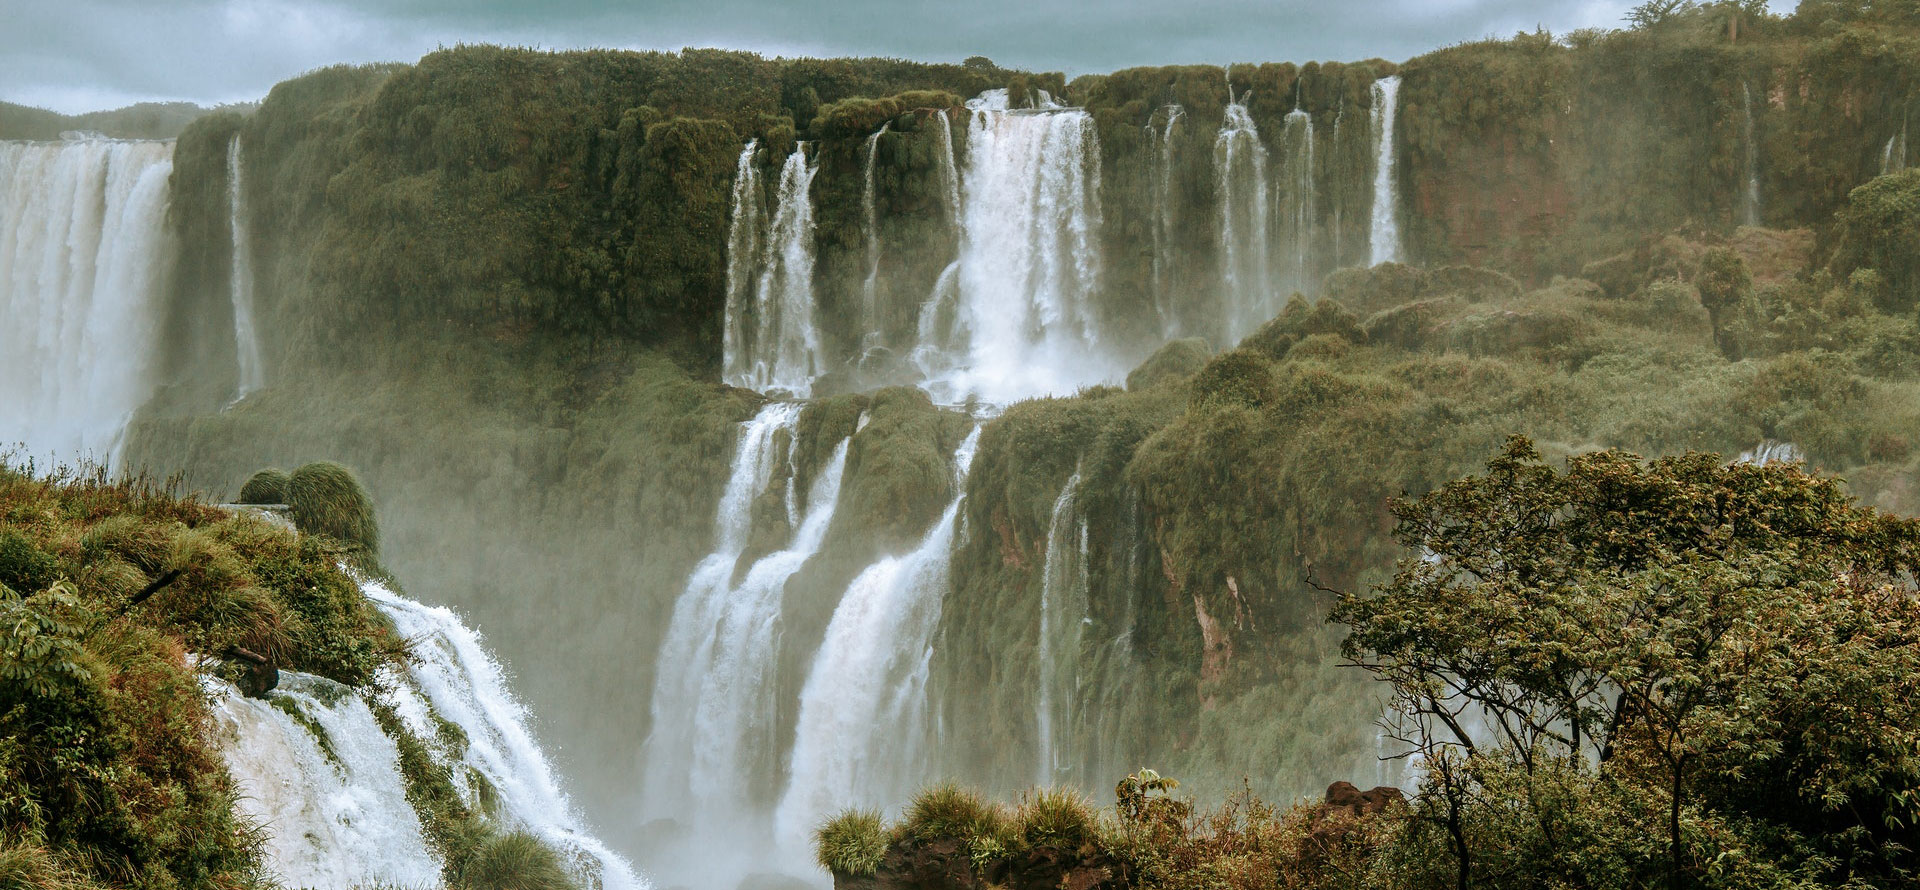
(1894, 158)
(336, 815)
(81, 250)
(772, 342)
(1241, 163)
(1750, 196)
(452, 677)
(322, 778)
(1163, 201)
(871, 673)
(1029, 255)
(252, 373)
(1384, 236)
(1297, 202)
(1063, 616)
(870, 289)
(689, 639)
(743, 262)
(949, 171)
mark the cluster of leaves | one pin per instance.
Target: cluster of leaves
(107, 771)
(1720, 657)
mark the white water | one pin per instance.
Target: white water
(1240, 161)
(252, 372)
(1063, 620)
(1772, 453)
(1163, 202)
(1893, 158)
(1750, 193)
(453, 675)
(1384, 237)
(668, 755)
(331, 823)
(1298, 210)
(949, 171)
(743, 263)
(864, 731)
(1027, 323)
(870, 289)
(81, 257)
(772, 341)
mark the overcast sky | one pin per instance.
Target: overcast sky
(83, 55)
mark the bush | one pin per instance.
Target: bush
(269, 486)
(327, 499)
(1060, 818)
(515, 861)
(1178, 360)
(852, 843)
(25, 568)
(950, 811)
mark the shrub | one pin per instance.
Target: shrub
(950, 811)
(1178, 360)
(515, 861)
(327, 499)
(852, 843)
(24, 567)
(1055, 818)
(269, 486)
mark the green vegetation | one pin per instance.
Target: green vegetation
(108, 776)
(146, 120)
(328, 499)
(269, 486)
(513, 861)
(852, 843)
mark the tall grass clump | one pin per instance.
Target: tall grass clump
(852, 843)
(513, 861)
(269, 486)
(327, 499)
(1055, 817)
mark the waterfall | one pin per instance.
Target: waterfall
(1063, 617)
(870, 289)
(1297, 201)
(81, 255)
(1384, 235)
(1029, 255)
(317, 772)
(714, 751)
(1893, 158)
(1162, 192)
(453, 678)
(863, 727)
(697, 612)
(949, 172)
(246, 338)
(772, 343)
(1750, 194)
(335, 816)
(743, 261)
(1240, 161)
(1338, 224)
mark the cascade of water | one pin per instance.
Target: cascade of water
(1297, 200)
(332, 803)
(949, 171)
(1750, 194)
(1063, 617)
(1771, 452)
(689, 639)
(870, 289)
(871, 672)
(1030, 255)
(252, 372)
(1384, 235)
(1240, 161)
(1162, 191)
(81, 251)
(1338, 242)
(773, 344)
(743, 261)
(452, 677)
(1894, 158)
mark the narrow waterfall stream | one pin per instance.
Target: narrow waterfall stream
(1384, 235)
(1298, 194)
(82, 254)
(1163, 217)
(1063, 614)
(1240, 162)
(772, 337)
(246, 337)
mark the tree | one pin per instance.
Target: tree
(1655, 12)
(1713, 635)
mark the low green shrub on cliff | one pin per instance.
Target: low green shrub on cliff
(328, 499)
(108, 775)
(269, 486)
(852, 843)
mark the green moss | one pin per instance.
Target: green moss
(1174, 362)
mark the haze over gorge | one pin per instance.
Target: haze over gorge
(757, 442)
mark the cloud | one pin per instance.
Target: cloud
(80, 55)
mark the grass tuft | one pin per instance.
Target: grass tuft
(269, 486)
(327, 499)
(852, 843)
